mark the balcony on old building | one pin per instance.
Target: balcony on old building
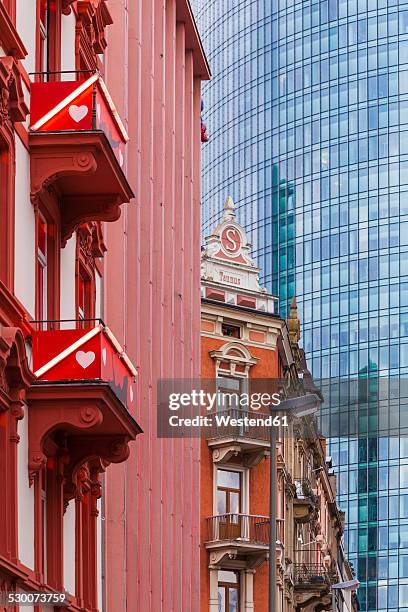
(305, 501)
(77, 148)
(251, 441)
(312, 585)
(241, 538)
(310, 574)
(82, 403)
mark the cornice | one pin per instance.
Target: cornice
(9, 38)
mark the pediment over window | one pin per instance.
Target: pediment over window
(236, 353)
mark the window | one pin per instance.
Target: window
(229, 389)
(48, 59)
(228, 492)
(85, 274)
(47, 268)
(232, 331)
(7, 214)
(44, 522)
(84, 295)
(228, 591)
(42, 268)
(43, 35)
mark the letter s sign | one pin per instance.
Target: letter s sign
(231, 240)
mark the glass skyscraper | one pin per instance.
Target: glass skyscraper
(307, 114)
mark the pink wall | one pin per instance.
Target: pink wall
(152, 300)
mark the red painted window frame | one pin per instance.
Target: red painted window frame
(85, 271)
(85, 298)
(10, 6)
(7, 206)
(50, 214)
(53, 38)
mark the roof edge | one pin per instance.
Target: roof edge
(185, 15)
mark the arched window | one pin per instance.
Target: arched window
(6, 213)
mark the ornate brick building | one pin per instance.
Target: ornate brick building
(244, 339)
(73, 293)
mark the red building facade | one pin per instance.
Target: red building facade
(153, 299)
(91, 316)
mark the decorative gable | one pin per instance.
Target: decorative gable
(228, 272)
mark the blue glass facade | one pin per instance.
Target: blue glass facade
(308, 121)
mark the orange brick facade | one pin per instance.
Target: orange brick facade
(268, 366)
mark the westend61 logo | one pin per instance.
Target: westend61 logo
(253, 408)
(207, 407)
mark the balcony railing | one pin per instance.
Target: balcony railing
(224, 427)
(79, 104)
(280, 531)
(245, 527)
(310, 574)
(304, 488)
(73, 354)
(77, 146)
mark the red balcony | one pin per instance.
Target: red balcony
(78, 147)
(82, 401)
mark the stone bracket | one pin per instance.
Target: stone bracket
(250, 458)
(219, 557)
(225, 453)
(254, 458)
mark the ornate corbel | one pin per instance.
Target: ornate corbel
(256, 559)
(46, 167)
(96, 451)
(15, 374)
(45, 418)
(103, 208)
(91, 242)
(82, 482)
(12, 104)
(96, 491)
(66, 6)
(225, 453)
(219, 557)
(93, 18)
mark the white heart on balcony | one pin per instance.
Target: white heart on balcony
(104, 356)
(77, 113)
(120, 158)
(85, 359)
(131, 394)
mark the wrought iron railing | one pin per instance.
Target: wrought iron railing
(304, 488)
(310, 574)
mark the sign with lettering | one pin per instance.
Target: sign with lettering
(231, 240)
(231, 279)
